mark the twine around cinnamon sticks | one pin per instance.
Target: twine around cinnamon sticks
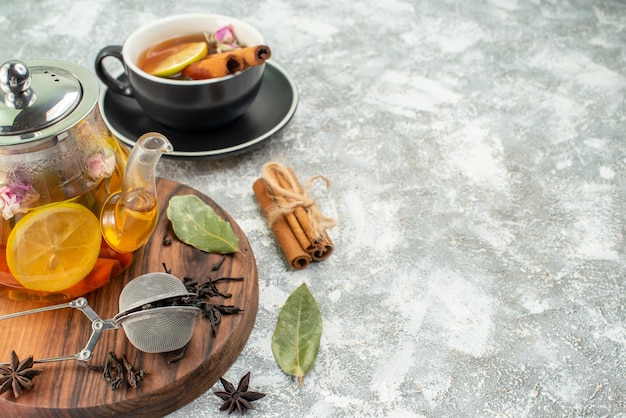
(295, 219)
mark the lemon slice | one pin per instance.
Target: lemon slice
(54, 248)
(178, 58)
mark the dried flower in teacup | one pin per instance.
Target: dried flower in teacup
(224, 39)
(225, 35)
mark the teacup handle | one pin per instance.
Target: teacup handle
(115, 85)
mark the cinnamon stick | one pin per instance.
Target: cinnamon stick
(213, 66)
(297, 257)
(253, 55)
(324, 248)
(321, 242)
(298, 220)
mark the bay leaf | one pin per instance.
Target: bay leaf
(197, 224)
(296, 339)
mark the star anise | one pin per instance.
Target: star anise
(239, 398)
(18, 375)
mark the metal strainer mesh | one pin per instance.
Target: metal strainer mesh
(149, 288)
(160, 330)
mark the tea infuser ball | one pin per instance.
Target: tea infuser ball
(156, 329)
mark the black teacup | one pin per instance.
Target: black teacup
(183, 104)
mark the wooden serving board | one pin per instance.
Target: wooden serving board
(66, 389)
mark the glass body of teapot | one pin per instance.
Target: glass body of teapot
(58, 165)
(48, 242)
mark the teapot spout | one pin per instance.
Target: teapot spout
(128, 218)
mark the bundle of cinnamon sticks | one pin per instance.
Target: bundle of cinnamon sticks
(294, 218)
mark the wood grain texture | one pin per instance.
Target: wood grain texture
(65, 389)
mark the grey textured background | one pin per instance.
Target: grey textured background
(476, 156)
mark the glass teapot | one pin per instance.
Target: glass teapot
(61, 177)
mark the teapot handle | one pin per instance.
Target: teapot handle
(114, 84)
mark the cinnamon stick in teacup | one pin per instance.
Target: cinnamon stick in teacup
(213, 66)
(295, 255)
(253, 55)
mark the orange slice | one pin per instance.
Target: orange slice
(176, 58)
(54, 248)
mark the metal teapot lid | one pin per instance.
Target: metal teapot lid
(43, 98)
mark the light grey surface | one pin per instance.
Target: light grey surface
(476, 156)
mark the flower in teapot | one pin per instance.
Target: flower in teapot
(16, 197)
(100, 166)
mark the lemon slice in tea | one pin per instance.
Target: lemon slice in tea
(178, 57)
(54, 248)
